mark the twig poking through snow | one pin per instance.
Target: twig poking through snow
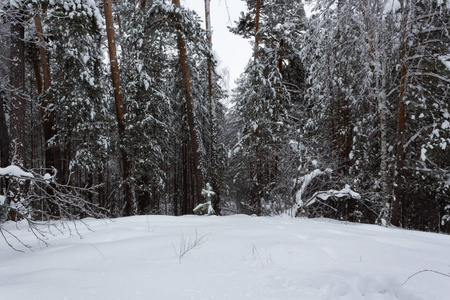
(97, 250)
(187, 245)
(417, 273)
(255, 251)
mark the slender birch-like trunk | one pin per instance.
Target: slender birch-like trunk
(383, 111)
(382, 102)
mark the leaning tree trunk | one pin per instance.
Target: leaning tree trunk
(130, 206)
(189, 105)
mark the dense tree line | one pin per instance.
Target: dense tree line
(343, 113)
(135, 130)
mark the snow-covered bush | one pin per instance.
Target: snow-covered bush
(15, 202)
(446, 217)
(206, 208)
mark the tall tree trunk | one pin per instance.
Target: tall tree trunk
(52, 152)
(37, 70)
(17, 114)
(4, 151)
(101, 189)
(130, 206)
(257, 16)
(212, 105)
(384, 168)
(257, 188)
(382, 101)
(17, 81)
(211, 91)
(43, 53)
(4, 136)
(398, 204)
(189, 105)
(344, 132)
(185, 167)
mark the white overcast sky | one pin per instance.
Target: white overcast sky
(231, 50)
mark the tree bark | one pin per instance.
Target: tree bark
(257, 188)
(212, 113)
(43, 53)
(209, 37)
(189, 105)
(397, 205)
(385, 210)
(4, 136)
(257, 16)
(52, 153)
(17, 81)
(17, 113)
(37, 70)
(130, 206)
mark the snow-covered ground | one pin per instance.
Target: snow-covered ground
(242, 258)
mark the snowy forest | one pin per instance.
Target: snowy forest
(116, 108)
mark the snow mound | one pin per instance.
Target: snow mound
(242, 258)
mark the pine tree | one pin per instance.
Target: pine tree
(149, 113)
(263, 100)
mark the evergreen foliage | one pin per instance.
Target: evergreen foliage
(359, 88)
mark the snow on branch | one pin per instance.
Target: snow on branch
(346, 192)
(416, 136)
(15, 171)
(38, 200)
(306, 180)
(431, 75)
(320, 196)
(445, 59)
